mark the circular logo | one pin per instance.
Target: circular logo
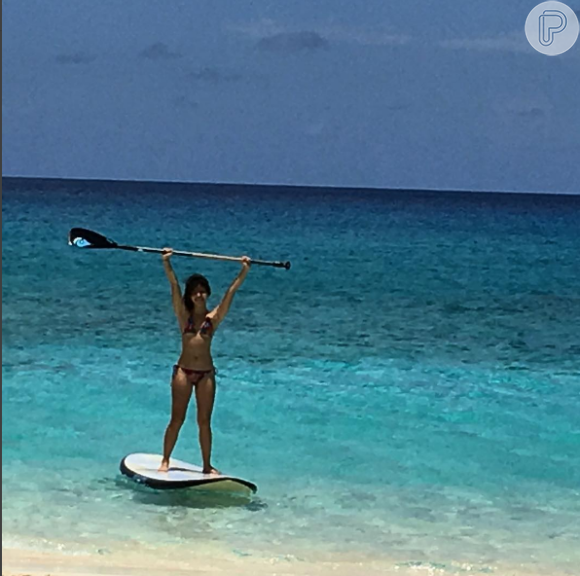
(552, 28)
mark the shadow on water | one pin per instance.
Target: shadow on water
(195, 498)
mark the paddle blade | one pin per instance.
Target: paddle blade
(82, 238)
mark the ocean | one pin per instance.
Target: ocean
(409, 391)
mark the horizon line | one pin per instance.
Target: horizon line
(319, 187)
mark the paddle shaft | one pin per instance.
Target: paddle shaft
(202, 255)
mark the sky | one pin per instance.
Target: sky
(444, 95)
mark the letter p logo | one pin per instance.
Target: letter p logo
(552, 22)
(552, 28)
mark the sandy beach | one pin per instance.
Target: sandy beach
(32, 563)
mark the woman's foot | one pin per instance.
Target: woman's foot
(164, 466)
(211, 470)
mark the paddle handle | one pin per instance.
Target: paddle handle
(203, 255)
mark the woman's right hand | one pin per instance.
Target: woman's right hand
(167, 254)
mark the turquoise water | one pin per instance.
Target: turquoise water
(410, 390)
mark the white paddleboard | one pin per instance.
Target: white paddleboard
(144, 469)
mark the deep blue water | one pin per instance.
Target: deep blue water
(410, 389)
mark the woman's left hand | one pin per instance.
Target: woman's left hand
(246, 263)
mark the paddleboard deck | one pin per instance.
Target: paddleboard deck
(144, 469)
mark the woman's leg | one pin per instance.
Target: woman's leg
(205, 396)
(181, 391)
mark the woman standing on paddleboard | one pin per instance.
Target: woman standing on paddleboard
(194, 369)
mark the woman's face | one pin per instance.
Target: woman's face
(199, 295)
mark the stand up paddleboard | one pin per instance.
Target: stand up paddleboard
(144, 469)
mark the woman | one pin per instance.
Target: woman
(194, 369)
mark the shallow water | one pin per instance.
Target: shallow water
(409, 390)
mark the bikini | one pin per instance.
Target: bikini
(196, 376)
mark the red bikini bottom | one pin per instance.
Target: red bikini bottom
(193, 376)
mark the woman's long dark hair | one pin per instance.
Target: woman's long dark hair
(191, 284)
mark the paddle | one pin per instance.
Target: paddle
(82, 238)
